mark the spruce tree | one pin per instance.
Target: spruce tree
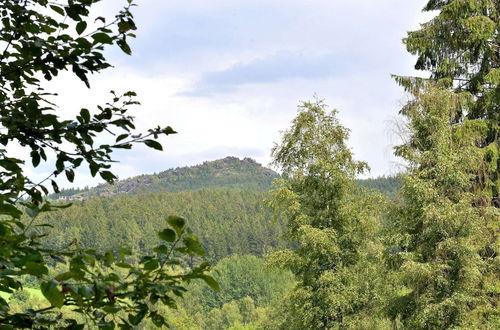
(460, 47)
(446, 221)
(446, 238)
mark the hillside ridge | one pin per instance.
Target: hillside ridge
(226, 173)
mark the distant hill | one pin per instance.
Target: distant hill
(227, 173)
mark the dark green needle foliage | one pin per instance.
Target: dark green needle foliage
(445, 242)
(446, 232)
(461, 49)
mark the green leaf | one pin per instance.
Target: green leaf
(94, 168)
(85, 291)
(211, 282)
(59, 163)
(82, 74)
(151, 265)
(157, 319)
(52, 293)
(55, 186)
(153, 144)
(169, 130)
(37, 269)
(167, 235)
(3, 229)
(66, 276)
(163, 249)
(9, 210)
(108, 176)
(85, 113)
(61, 206)
(121, 137)
(123, 265)
(81, 26)
(177, 223)
(193, 244)
(111, 309)
(58, 10)
(102, 38)
(35, 158)
(10, 164)
(70, 175)
(136, 319)
(124, 46)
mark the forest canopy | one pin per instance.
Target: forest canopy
(231, 244)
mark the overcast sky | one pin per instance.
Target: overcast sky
(228, 75)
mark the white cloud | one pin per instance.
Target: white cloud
(342, 50)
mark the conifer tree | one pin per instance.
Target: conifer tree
(460, 47)
(448, 242)
(447, 219)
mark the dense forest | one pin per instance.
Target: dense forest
(230, 244)
(227, 221)
(231, 216)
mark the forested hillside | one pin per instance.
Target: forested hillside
(222, 200)
(230, 244)
(227, 221)
(226, 173)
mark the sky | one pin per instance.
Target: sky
(228, 76)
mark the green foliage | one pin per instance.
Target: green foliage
(242, 276)
(460, 49)
(39, 40)
(248, 289)
(99, 285)
(227, 173)
(460, 43)
(445, 238)
(229, 221)
(333, 230)
(387, 185)
(445, 229)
